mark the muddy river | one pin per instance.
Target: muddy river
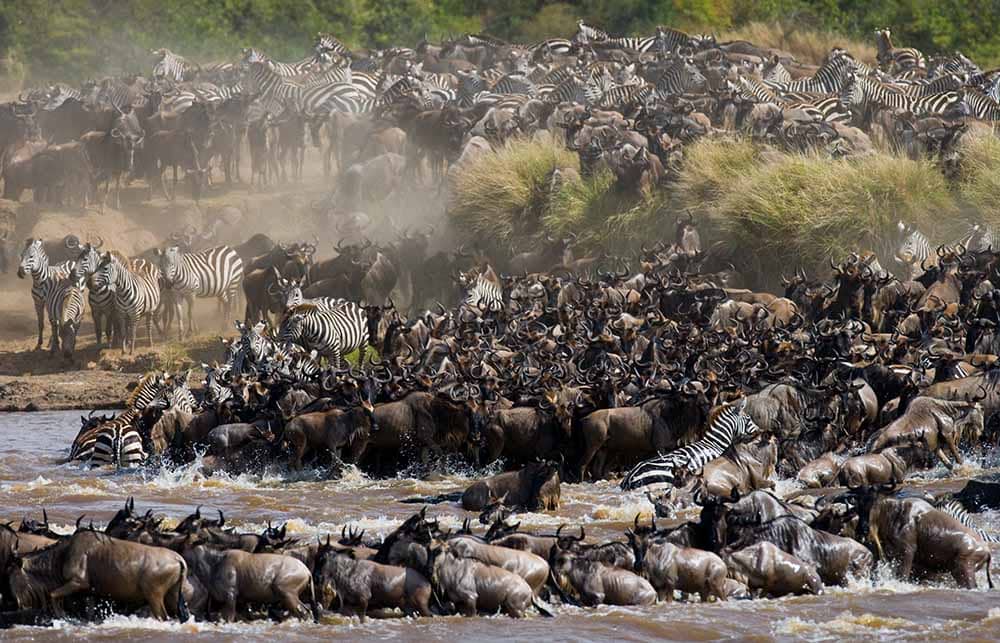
(31, 445)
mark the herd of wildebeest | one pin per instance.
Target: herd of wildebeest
(563, 366)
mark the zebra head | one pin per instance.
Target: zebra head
(913, 246)
(291, 328)
(33, 259)
(106, 275)
(87, 261)
(216, 392)
(258, 344)
(290, 292)
(169, 262)
(743, 424)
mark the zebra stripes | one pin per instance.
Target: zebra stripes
(914, 249)
(102, 300)
(170, 66)
(956, 510)
(115, 441)
(216, 272)
(864, 93)
(44, 278)
(733, 424)
(291, 293)
(486, 294)
(331, 333)
(65, 309)
(896, 59)
(136, 289)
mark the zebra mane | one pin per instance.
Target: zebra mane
(146, 384)
(717, 412)
(489, 275)
(303, 308)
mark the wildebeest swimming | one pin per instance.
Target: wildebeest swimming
(651, 368)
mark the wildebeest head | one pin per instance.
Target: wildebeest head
(194, 522)
(127, 134)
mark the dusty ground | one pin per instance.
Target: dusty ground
(36, 380)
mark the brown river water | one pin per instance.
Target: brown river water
(31, 444)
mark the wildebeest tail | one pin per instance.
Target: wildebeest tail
(313, 601)
(989, 579)
(183, 615)
(542, 608)
(433, 500)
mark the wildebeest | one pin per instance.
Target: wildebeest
(765, 568)
(362, 585)
(234, 577)
(89, 561)
(533, 569)
(918, 538)
(669, 567)
(932, 424)
(534, 487)
(474, 586)
(593, 584)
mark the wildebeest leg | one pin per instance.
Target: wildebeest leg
(944, 459)
(72, 586)
(292, 603)
(951, 440)
(155, 597)
(964, 573)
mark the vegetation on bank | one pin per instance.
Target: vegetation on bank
(778, 208)
(73, 39)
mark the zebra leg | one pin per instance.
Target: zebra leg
(149, 327)
(192, 329)
(40, 314)
(54, 339)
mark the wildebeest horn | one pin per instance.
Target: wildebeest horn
(222, 518)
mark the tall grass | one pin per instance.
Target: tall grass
(805, 44)
(979, 183)
(504, 194)
(777, 210)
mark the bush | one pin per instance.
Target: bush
(979, 183)
(503, 195)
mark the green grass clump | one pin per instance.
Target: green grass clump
(354, 357)
(979, 183)
(802, 209)
(502, 195)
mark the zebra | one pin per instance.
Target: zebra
(252, 56)
(981, 237)
(679, 77)
(486, 294)
(291, 292)
(118, 444)
(669, 40)
(914, 249)
(586, 34)
(171, 66)
(83, 446)
(956, 510)
(65, 309)
(44, 279)
(327, 44)
(136, 289)
(176, 395)
(828, 79)
(981, 106)
(732, 424)
(331, 333)
(102, 301)
(863, 93)
(216, 391)
(216, 272)
(891, 58)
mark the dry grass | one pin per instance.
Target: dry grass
(979, 185)
(504, 194)
(805, 44)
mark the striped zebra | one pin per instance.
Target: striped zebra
(486, 294)
(981, 237)
(331, 333)
(956, 510)
(585, 34)
(215, 383)
(65, 309)
(552, 47)
(136, 288)
(291, 293)
(731, 424)
(892, 59)
(828, 79)
(102, 301)
(862, 93)
(669, 40)
(176, 395)
(171, 66)
(216, 272)
(914, 249)
(981, 106)
(44, 279)
(679, 77)
(115, 441)
(328, 44)
(253, 56)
